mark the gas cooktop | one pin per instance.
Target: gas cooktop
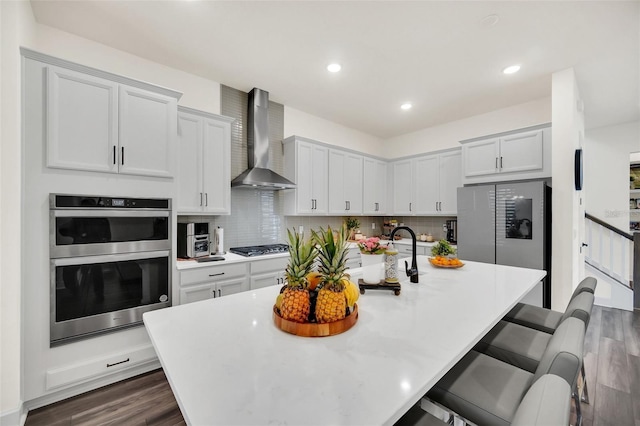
(251, 251)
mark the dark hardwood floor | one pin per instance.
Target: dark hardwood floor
(612, 362)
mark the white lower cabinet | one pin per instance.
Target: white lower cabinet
(407, 250)
(265, 273)
(213, 281)
(84, 371)
(354, 258)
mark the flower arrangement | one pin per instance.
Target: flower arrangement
(371, 245)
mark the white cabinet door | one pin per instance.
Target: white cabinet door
(216, 157)
(147, 132)
(352, 183)
(190, 192)
(403, 187)
(225, 288)
(345, 182)
(521, 152)
(304, 180)
(426, 181)
(319, 179)
(354, 258)
(450, 180)
(82, 121)
(481, 157)
(196, 293)
(267, 280)
(204, 163)
(337, 200)
(374, 181)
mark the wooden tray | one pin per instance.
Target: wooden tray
(314, 329)
(382, 285)
(435, 265)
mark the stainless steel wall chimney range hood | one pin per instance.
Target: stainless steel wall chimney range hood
(259, 174)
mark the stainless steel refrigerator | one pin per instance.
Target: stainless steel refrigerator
(508, 224)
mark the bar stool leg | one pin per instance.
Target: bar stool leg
(576, 400)
(585, 391)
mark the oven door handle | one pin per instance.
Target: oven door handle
(106, 258)
(110, 213)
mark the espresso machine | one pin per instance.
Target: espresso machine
(452, 231)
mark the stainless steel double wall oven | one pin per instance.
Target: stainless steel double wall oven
(110, 262)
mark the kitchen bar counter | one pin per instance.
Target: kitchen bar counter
(228, 364)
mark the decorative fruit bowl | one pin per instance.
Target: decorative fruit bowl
(310, 329)
(445, 262)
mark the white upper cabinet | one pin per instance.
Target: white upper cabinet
(374, 181)
(427, 185)
(345, 183)
(516, 155)
(425, 181)
(82, 121)
(450, 179)
(403, 202)
(306, 164)
(204, 177)
(97, 122)
(147, 132)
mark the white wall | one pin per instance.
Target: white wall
(300, 123)
(568, 131)
(449, 135)
(606, 174)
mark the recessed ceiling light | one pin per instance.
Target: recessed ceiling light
(405, 106)
(511, 69)
(334, 67)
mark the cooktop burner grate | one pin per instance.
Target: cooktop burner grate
(260, 250)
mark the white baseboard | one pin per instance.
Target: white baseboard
(15, 417)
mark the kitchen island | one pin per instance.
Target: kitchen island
(228, 364)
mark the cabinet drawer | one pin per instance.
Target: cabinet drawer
(404, 249)
(223, 272)
(270, 265)
(82, 372)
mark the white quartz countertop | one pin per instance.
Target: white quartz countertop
(229, 365)
(228, 259)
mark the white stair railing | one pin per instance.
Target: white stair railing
(609, 250)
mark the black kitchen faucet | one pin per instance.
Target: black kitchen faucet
(413, 272)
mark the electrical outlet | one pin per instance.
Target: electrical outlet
(300, 229)
(373, 225)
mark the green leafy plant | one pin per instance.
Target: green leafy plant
(443, 248)
(351, 223)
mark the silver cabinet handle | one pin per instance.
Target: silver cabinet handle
(496, 162)
(500, 163)
(216, 275)
(377, 207)
(206, 198)
(122, 155)
(219, 293)
(201, 199)
(410, 207)
(114, 155)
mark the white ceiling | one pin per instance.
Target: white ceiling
(437, 55)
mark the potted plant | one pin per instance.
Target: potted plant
(351, 223)
(372, 254)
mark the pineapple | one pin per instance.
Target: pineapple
(296, 304)
(331, 303)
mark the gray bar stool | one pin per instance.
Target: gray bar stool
(487, 391)
(546, 403)
(545, 319)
